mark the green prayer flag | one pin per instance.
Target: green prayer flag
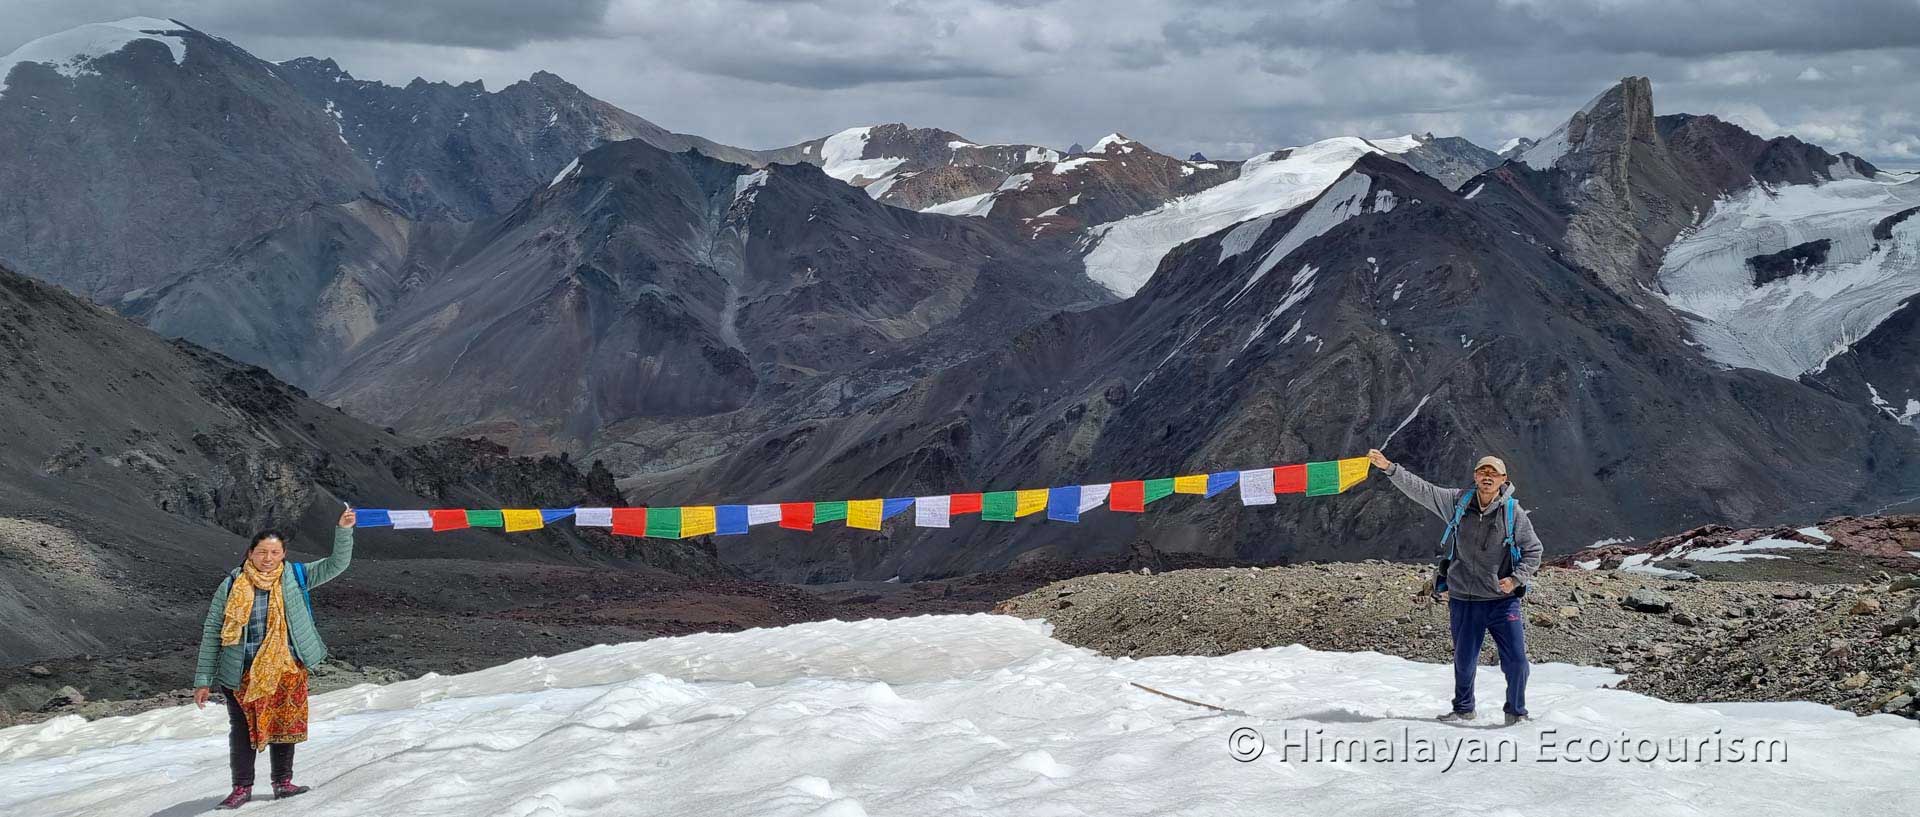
(663, 523)
(1157, 488)
(829, 511)
(998, 506)
(1323, 478)
(486, 519)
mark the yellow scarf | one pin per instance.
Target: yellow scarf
(275, 659)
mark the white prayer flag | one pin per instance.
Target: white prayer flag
(1256, 487)
(1091, 496)
(411, 519)
(593, 518)
(762, 514)
(932, 511)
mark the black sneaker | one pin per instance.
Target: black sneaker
(1450, 717)
(1513, 719)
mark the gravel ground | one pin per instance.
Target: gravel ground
(1853, 646)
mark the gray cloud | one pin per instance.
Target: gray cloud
(1227, 77)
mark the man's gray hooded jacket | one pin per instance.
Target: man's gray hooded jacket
(1479, 550)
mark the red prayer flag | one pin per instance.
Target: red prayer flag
(964, 503)
(1128, 496)
(796, 515)
(449, 519)
(1290, 479)
(630, 521)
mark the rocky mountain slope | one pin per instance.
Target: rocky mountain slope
(1850, 643)
(275, 212)
(132, 468)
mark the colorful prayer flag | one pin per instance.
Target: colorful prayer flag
(733, 520)
(1029, 501)
(1157, 489)
(450, 519)
(485, 519)
(1190, 484)
(829, 511)
(516, 520)
(997, 506)
(663, 523)
(1221, 481)
(1290, 479)
(931, 511)
(864, 514)
(1092, 495)
(1323, 478)
(1063, 504)
(698, 520)
(552, 515)
(763, 514)
(370, 518)
(593, 518)
(895, 506)
(796, 515)
(1353, 471)
(629, 521)
(1129, 497)
(963, 503)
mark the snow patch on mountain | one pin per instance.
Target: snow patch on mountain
(949, 715)
(1113, 140)
(1796, 323)
(1397, 144)
(1510, 144)
(572, 168)
(1126, 252)
(841, 156)
(980, 205)
(1070, 165)
(73, 51)
(1547, 151)
(748, 185)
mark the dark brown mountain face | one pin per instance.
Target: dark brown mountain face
(132, 468)
(1118, 178)
(446, 152)
(650, 287)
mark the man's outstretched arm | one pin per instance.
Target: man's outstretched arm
(1432, 497)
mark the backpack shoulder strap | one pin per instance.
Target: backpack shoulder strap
(300, 578)
(1513, 550)
(1453, 525)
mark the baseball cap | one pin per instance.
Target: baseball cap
(1497, 463)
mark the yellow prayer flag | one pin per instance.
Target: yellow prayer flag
(1190, 484)
(1352, 471)
(519, 520)
(1030, 501)
(864, 514)
(696, 520)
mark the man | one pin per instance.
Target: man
(1488, 555)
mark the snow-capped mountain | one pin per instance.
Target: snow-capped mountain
(915, 168)
(1125, 253)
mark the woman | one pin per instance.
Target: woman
(256, 644)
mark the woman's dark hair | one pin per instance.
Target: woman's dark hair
(263, 536)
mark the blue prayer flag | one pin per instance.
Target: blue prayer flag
(1063, 504)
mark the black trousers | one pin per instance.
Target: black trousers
(240, 753)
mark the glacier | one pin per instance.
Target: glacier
(1797, 323)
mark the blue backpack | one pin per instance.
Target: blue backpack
(1450, 538)
(299, 577)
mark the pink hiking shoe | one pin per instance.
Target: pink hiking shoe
(241, 796)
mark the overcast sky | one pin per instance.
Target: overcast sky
(1227, 77)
